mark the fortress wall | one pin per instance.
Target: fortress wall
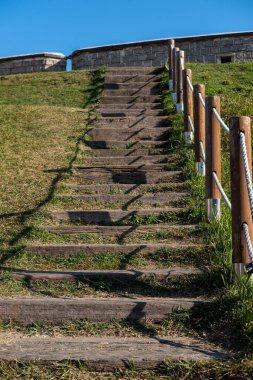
(234, 47)
(32, 63)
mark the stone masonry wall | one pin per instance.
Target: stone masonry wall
(216, 48)
(210, 51)
(205, 49)
(32, 63)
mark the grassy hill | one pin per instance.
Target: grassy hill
(43, 119)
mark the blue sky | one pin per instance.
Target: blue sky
(29, 26)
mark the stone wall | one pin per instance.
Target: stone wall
(234, 47)
(32, 63)
(215, 48)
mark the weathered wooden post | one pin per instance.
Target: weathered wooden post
(170, 62)
(180, 68)
(213, 158)
(241, 212)
(188, 106)
(199, 129)
(174, 93)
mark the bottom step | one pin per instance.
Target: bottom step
(57, 310)
(108, 353)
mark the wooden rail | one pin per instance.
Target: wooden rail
(202, 127)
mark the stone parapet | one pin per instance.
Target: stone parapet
(32, 63)
(216, 48)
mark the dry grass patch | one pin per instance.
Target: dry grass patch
(35, 140)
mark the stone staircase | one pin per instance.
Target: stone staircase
(131, 199)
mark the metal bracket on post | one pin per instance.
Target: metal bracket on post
(200, 168)
(213, 209)
(188, 137)
(180, 107)
(239, 269)
(170, 84)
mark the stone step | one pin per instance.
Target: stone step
(129, 134)
(108, 112)
(132, 70)
(106, 99)
(109, 216)
(132, 85)
(137, 160)
(107, 353)
(139, 106)
(123, 276)
(51, 311)
(135, 152)
(124, 91)
(135, 177)
(121, 78)
(112, 144)
(51, 250)
(133, 122)
(121, 188)
(170, 198)
(120, 231)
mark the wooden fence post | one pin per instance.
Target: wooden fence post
(199, 129)
(188, 107)
(213, 158)
(170, 62)
(180, 67)
(174, 93)
(241, 212)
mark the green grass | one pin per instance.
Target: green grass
(67, 89)
(234, 300)
(42, 129)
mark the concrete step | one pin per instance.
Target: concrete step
(132, 85)
(126, 134)
(26, 311)
(138, 160)
(135, 177)
(132, 91)
(123, 276)
(112, 144)
(133, 122)
(127, 200)
(124, 112)
(107, 353)
(131, 106)
(121, 188)
(120, 231)
(55, 250)
(109, 216)
(121, 78)
(106, 99)
(135, 152)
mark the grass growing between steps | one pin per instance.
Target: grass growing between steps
(229, 320)
(72, 370)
